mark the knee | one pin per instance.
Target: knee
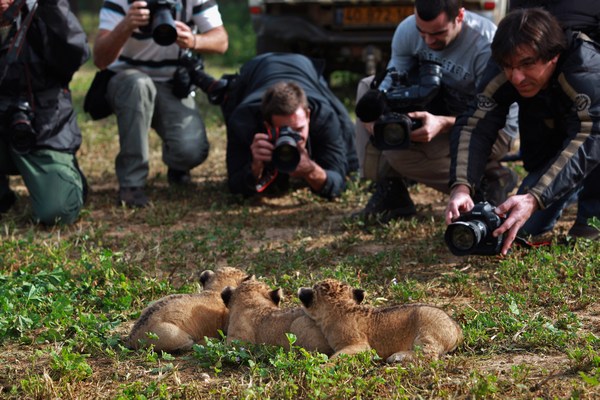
(132, 87)
(62, 209)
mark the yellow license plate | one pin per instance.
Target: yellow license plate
(375, 15)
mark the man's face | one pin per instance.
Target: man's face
(527, 72)
(4, 4)
(440, 32)
(298, 121)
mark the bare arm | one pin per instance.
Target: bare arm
(108, 44)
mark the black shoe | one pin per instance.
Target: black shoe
(179, 178)
(497, 184)
(390, 201)
(7, 198)
(584, 231)
(133, 197)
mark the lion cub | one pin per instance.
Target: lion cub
(180, 320)
(255, 317)
(392, 331)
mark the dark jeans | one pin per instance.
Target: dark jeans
(587, 196)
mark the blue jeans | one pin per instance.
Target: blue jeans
(587, 195)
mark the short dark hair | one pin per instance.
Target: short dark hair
(283, 98)
(535, 28)
(428, 10)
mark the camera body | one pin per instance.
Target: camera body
(162, 21)
(392, 129)
(286, 155)
(16, 118)
(190, 74)
(471, 233)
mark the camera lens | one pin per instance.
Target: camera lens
(22, 137)
(394, 133)
(286, 155)
(464, 236)
(163, 27)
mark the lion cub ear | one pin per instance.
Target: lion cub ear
(226, 295)
(359, 295)
(306, 296)
(276, 295)
(205, 276)
(249, 278)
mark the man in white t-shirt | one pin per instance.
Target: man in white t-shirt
(444, 33)
(141, 91)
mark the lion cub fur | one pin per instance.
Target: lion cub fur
(255, 317)
(180, 320)
(393, 332)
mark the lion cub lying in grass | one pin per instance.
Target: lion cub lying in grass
(180, 320)
(255, 317)
(393, 332)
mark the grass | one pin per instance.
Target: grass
(68, 295)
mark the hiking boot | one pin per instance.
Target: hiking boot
(132, 197)
(178, 177)
(390, 201)
(7, 196)
(497, 184)
(584, 231)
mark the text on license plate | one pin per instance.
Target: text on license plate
(375, 15)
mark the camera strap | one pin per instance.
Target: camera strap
(17, 43)
(530, 245)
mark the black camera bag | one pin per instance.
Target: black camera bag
(95, 102)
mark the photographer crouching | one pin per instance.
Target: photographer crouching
(41, 46)
(438, 56)
(148, 46)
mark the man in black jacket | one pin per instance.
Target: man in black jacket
(554, 78)
(41, 46)
(273, 91)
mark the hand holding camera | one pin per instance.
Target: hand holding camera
(472, 232)
(388, 106)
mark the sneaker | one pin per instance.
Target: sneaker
(390, 201)
(133, 197)
(498, 183)
(584, 231)
(178, 177)
(7, 196)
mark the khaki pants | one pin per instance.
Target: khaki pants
(139, 104)
(426, 163)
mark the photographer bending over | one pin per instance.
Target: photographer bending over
(282, 120)
(554, 79)
(141, 43)
(440, 32)
(41, 46)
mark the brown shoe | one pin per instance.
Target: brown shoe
(132, 197)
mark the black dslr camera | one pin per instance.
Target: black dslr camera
(191, 73)
(471, 233)
(286, 155)
(162, 21)
(392, 129)
(16, 122)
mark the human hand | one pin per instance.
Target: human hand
(137, 15)
(517, 210)
(186, 39)
(432, 125)
(459, 203)
(262, 148)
